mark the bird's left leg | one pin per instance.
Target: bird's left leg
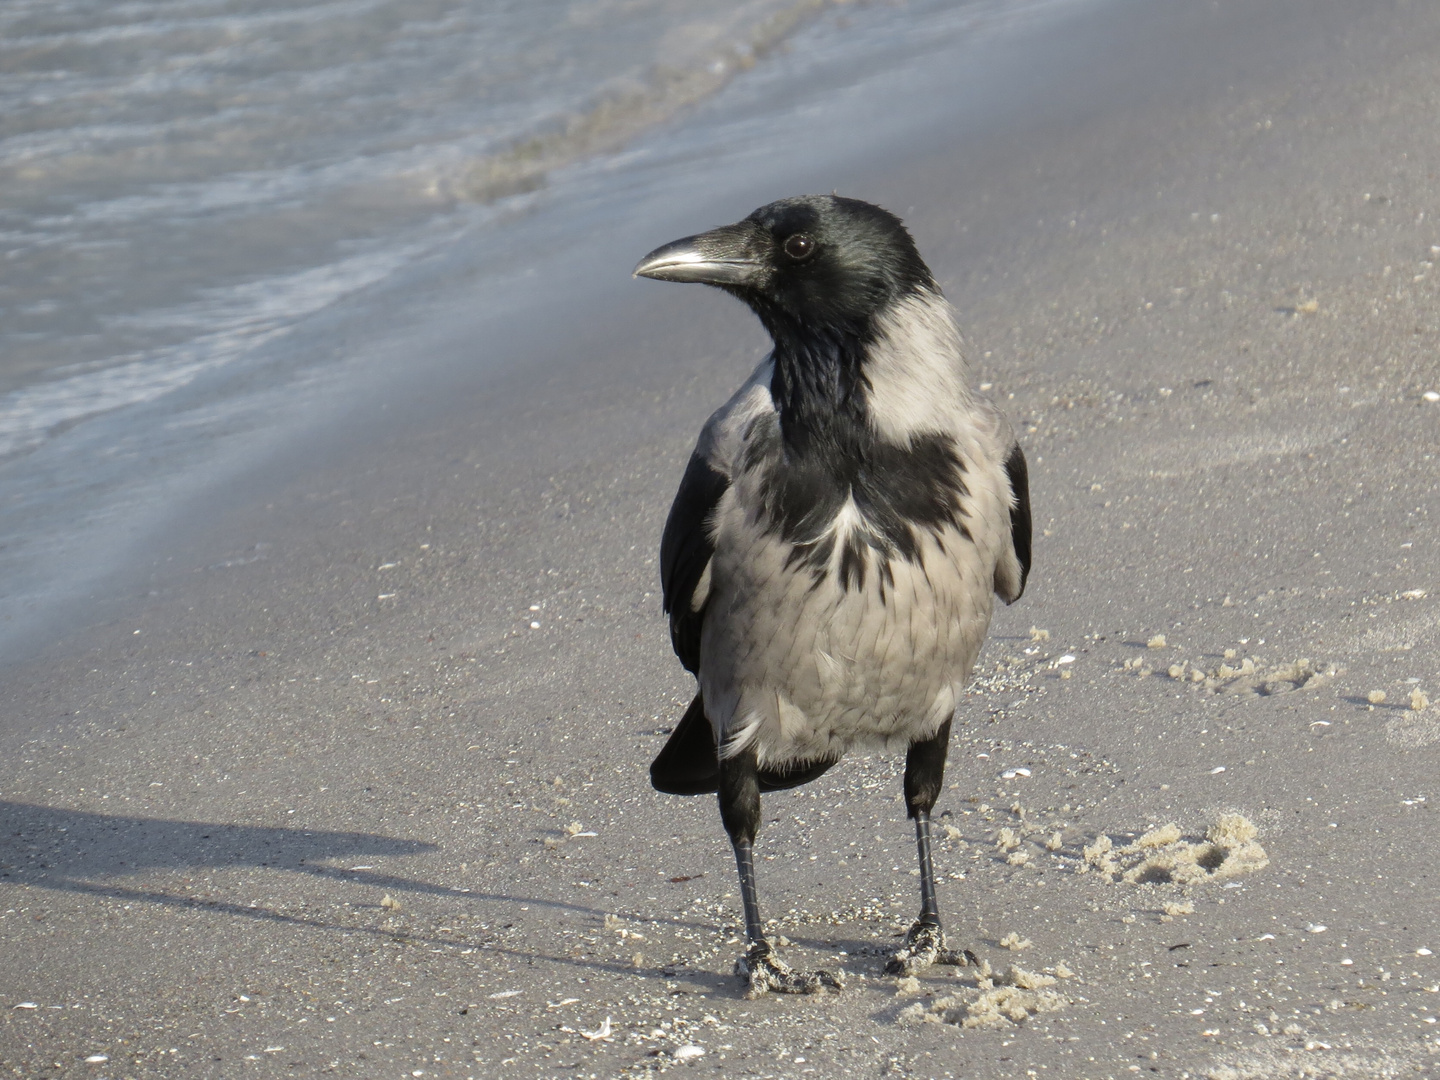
(761, 969)
(925, 943)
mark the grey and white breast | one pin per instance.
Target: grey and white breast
(844, 607)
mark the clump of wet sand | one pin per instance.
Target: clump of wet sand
(1003, 1002)
(1163, 855)
(1243, 676)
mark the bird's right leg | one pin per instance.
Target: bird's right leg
(925, 943)
(761, 969)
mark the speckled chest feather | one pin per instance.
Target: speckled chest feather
(853, 492)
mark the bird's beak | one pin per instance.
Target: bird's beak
(730, 255)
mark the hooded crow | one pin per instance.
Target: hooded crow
(830, 561)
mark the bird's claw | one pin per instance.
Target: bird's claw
(925, 945)
(763, 971)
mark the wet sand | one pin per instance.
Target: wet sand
(348, 772)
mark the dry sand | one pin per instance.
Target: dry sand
(351, 777)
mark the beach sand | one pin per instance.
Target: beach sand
(347, 772)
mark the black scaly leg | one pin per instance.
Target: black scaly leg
(925, 943)
(761, 969)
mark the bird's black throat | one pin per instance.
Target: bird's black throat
(818, 386)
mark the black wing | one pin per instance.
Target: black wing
(685, 551)
(1019, 474)
(688, 763)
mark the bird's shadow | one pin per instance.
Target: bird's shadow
(83, 852)
(41, 845)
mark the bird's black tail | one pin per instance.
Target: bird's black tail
(689, 765)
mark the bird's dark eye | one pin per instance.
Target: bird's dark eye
(799, 246)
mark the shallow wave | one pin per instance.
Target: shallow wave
(620, 112)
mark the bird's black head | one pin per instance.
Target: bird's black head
(817, 262)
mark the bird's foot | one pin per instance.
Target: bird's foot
(925, 945)
(763, 971)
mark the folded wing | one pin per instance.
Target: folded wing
(1010, 576)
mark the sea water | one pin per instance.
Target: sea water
(181, 180)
